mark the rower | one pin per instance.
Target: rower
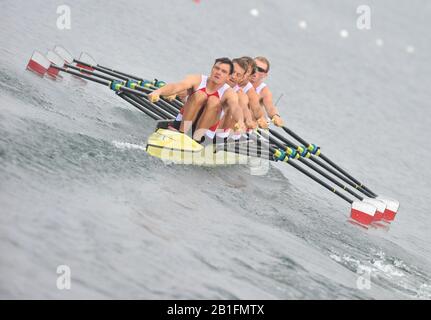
(208, 98)
(227, 123)
(265, 95)
(256, 109)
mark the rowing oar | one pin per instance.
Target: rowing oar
(127, 94)
(118, 87)
(392, 205)
(316, 150)
(361, 211)
(307, 154)
(168, 113)
(148, 84)
(293, 154)
(133, 82)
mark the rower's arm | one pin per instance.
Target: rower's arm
(232, 102)
(248, 118)
(172, 89)
(270, 108)
(254, 104)
(175, 88)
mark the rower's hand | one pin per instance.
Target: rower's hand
(251, 124)
(277, 120)
(239, 127)
(154, 96)
(171, 97)
(262, 123)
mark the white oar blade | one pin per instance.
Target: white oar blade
(362, 212)
(392, 207)
(85, 57)
(380, 208)
(54, 59)
(63, 53)
(38, 63)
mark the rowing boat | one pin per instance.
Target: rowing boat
(367, 209)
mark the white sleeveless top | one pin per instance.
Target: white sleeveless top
(203, 86)
(260, 87)
(247, 87)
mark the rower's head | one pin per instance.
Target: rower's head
(221, 70)
(251, 68)
(262, 69)
(239, 71)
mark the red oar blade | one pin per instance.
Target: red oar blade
(380, 208)
(362, 212)
(38, 63)
(54, 59)
(85, 57)
(392, 207)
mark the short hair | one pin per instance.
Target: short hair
(251, 63)
(241, 62)
(225, 60)
(264, 60)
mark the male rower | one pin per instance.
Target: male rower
(209, 97)
(265, 95)
(256, 109)
(240, 67)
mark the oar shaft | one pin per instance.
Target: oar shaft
(126, 76)
(310, 165)
(114, 74)
(340, 176)
(150, 113)
(284, 139)
(294, 135)
(334, 165)
(350, 182)
(309, 174)
(78, 74)
(130, 76)
(337, 183)
(322, 183)
(89, 72)
(160, 111)
(347, 175)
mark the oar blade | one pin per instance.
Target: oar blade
(362, 212)
(380, 208)
(64, 54)
(38, 64)
(392, 207)
(85, 57)
(54, 59)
